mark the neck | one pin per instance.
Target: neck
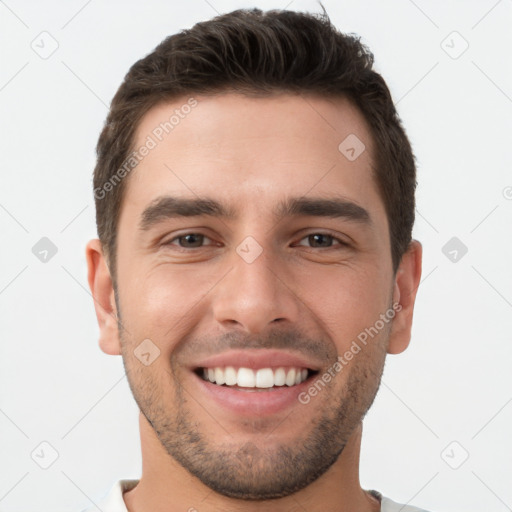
(165, 486)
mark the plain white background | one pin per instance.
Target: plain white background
(438, 435)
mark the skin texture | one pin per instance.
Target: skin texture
(300, 295)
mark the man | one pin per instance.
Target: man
(265, 141)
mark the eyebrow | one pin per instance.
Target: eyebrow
(168, 207)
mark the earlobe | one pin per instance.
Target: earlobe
(407, 280)
(100, 283)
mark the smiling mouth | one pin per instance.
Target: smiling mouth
(248, 379)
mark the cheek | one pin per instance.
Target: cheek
(159, 303)
(345, 300)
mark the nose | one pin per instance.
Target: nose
(255, 294)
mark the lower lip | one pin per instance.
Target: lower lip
(253, 403)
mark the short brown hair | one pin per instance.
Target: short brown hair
(256, 52)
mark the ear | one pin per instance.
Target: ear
(102, 291)
(407, 280)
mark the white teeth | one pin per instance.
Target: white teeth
(230, 375)
(246, 378)
(290, 377)
(280, 377)
(262, 378)
(219, 376)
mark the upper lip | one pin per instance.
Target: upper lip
(256, 359)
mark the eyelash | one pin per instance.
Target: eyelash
(341, 243)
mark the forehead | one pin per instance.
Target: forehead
(253, 151)
(227, 118)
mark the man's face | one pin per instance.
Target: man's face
(302, 285)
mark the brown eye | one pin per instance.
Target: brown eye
(320, 239)
(323, 240)
(189, 240)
